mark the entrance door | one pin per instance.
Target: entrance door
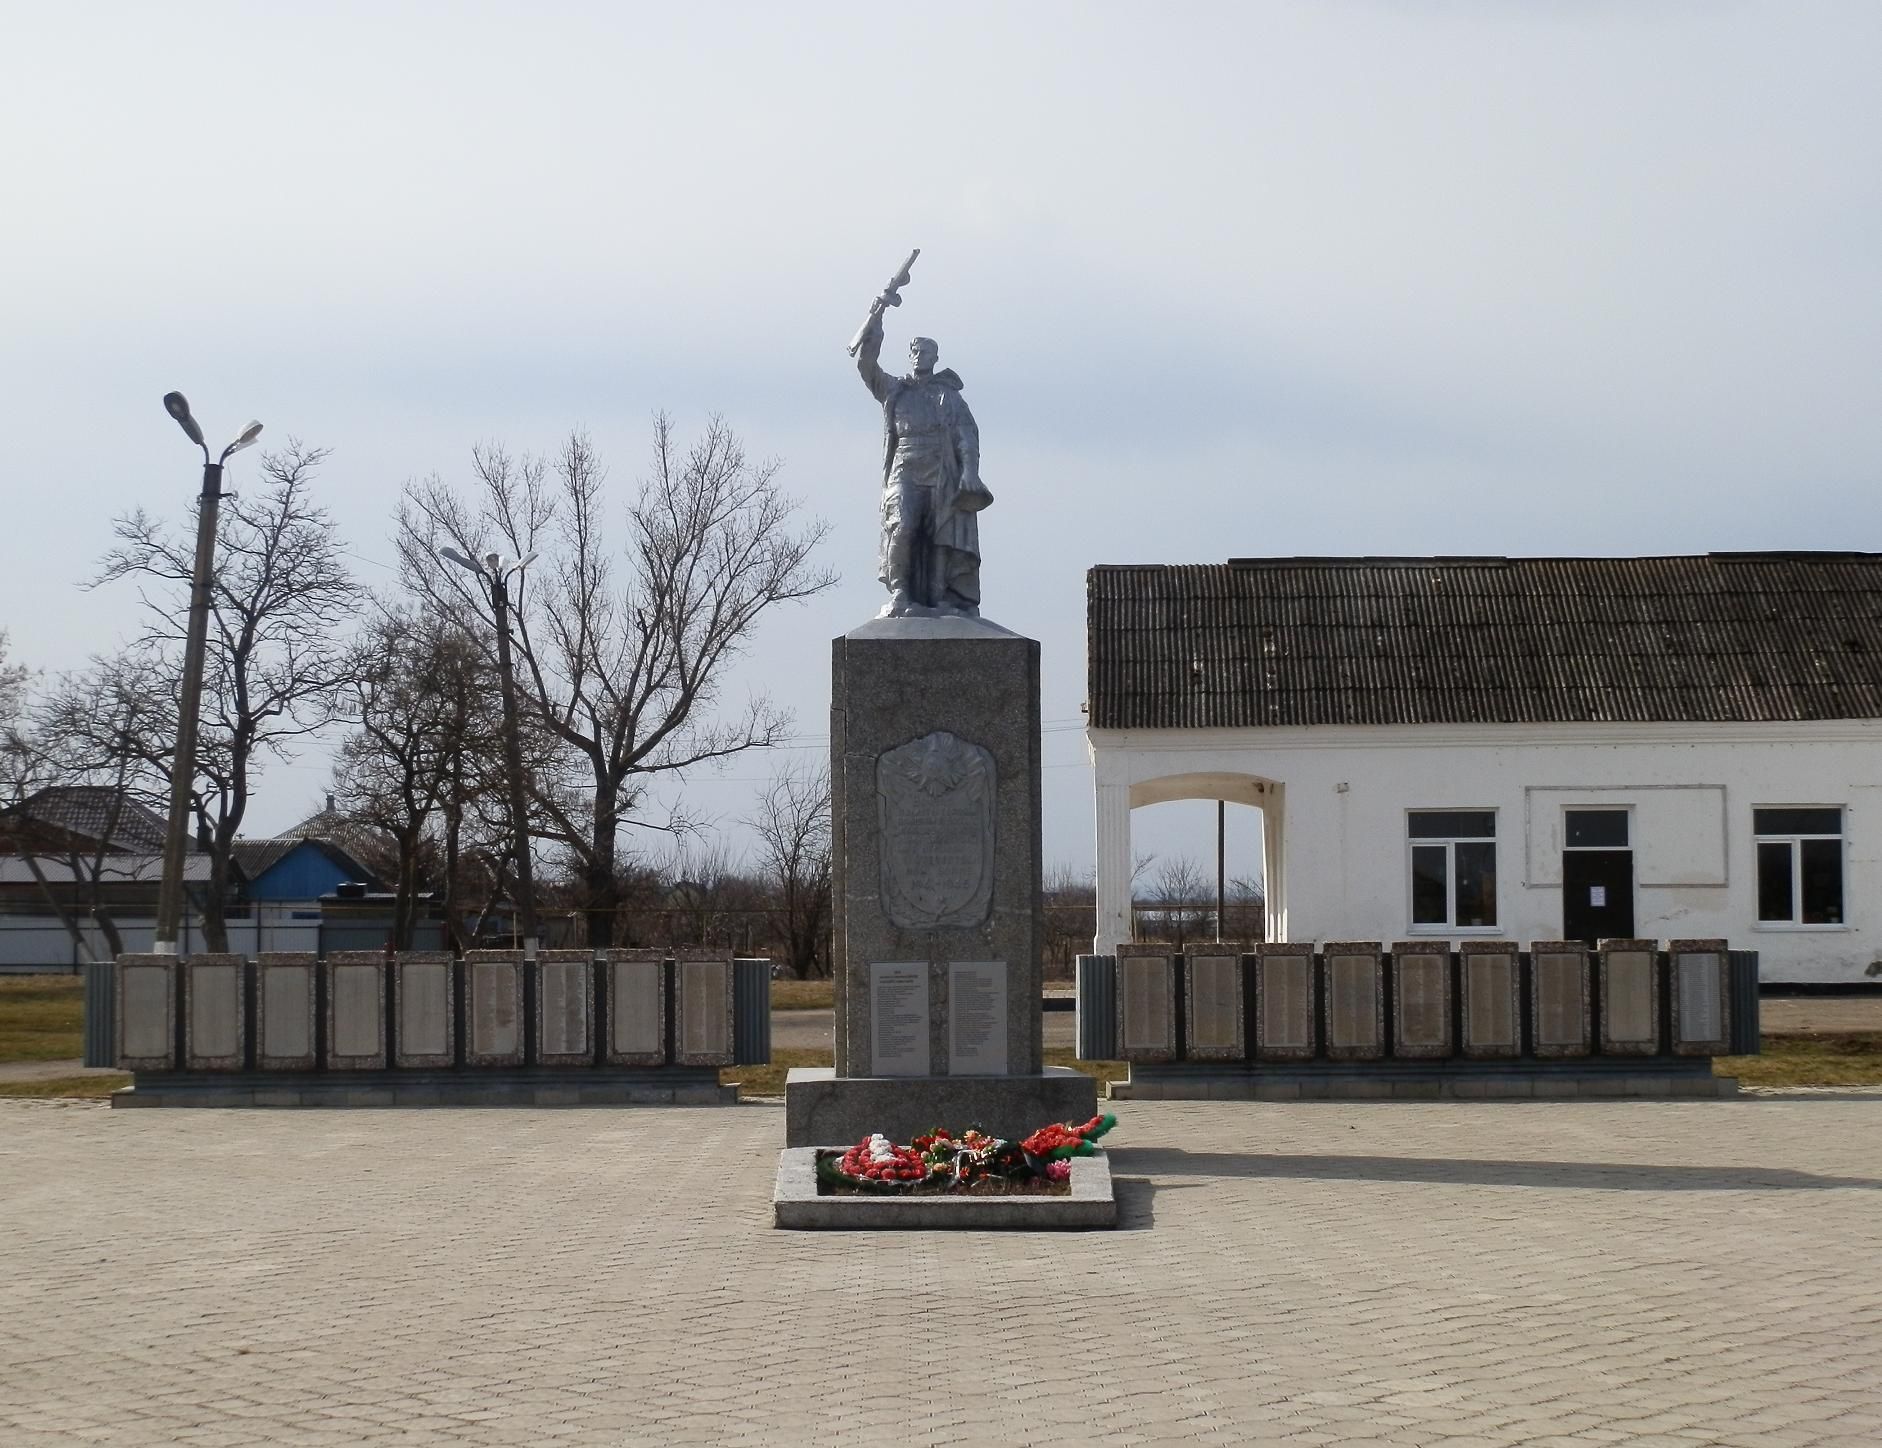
(1597, 894)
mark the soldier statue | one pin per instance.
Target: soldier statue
(931, 488)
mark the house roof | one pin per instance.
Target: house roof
(257, 857)
(1289, 641)
(86, 810)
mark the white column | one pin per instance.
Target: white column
(1274, 861)
(1114, 868)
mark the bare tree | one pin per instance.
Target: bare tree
(623, 656)
(792, 822)
(275, 666)
(1177, 894)
(1071, 914)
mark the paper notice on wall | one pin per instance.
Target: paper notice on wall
(1597, 895)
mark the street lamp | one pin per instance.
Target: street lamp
(189, 706)
(495, 573)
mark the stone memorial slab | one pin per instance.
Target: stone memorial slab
(1355, 996)
(934, 810)
(1421, 997)
(1492, 1000)
(1701, 997)
(215, 1033)
(1558, 994)
(898, 1018)
(702, 1016)
(423, 1003)
(493, 1008)
(356, 1005)
(1630, 998)
(1146, 1003)
(284, 1010)
(1284, 1001)
(146, 1012)
(637, 1007)
(1214, 1012)
(976, 1018)
(565, 1008)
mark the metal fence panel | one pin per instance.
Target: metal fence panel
(1097, 1007)
(101, 1007)
(751, 1012)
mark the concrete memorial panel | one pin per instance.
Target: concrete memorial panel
(702, 1015)
(1284, 1001)
(493, 1008)
(356, 1006)
(1558, 998)
(1492, 1000)
(636, 1007)
(1421, 996)
(285, 998)
(146, 1012)
(565, 1008)
(1146, 1003)
(976, 1018)
(1354, 972)
(215, 1006)
(934, 809)
(1630, 998)
(1701, 997)
(898, 1018)
(1214, 1013)
(424, 1004)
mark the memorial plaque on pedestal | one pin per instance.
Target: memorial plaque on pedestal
(284, 1010)
(1284, 1008)
(356, 1003)
(1421, 994)
(146, 1012)
(1146, 1003)
(976, 1018)
(1630, 998)
(1213, 1011)
(1558, 991)
(898, 1018)
(1355, 991)
(934, 810)
(215, 1014)
(1492, 1000)
(1701, 997)
(702, 1016)
(424, 998)
(493, 1008)
(565, 1007)
(637, 1007)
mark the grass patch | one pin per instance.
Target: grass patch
(769, 1080)
(802, 995)
(90, 1088)
(1853, 1059)
(42, 1017)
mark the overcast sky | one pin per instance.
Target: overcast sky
(1221, 280)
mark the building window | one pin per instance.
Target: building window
(1597, 829)
(1800, 865)
(1453, 868)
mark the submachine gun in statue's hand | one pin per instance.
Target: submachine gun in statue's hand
(891, 297)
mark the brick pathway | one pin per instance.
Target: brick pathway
(1444, 1273)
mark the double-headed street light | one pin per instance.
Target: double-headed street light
(496, 572)
(189, 706)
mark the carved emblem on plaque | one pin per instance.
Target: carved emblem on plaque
(934, 807)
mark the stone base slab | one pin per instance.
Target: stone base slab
(1424, 1086)
(796, 1203)
(662, 1087)
(823, 1109)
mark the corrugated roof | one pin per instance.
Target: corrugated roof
(1279, 641)
(87, 810)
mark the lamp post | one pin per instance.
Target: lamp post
(495, 573)
(189, 705)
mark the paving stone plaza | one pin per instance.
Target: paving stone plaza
(1415, 1273)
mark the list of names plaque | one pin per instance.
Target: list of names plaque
(898, 1018)
(977, 1018)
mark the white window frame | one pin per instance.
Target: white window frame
(1450, 843)
(1796, 924)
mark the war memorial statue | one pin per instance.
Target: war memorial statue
(931, 488)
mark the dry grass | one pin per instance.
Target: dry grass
(90, 1088)
(802, 995)
(42, 1017)
(1798, 1060)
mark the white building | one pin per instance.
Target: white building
(1517, 748)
